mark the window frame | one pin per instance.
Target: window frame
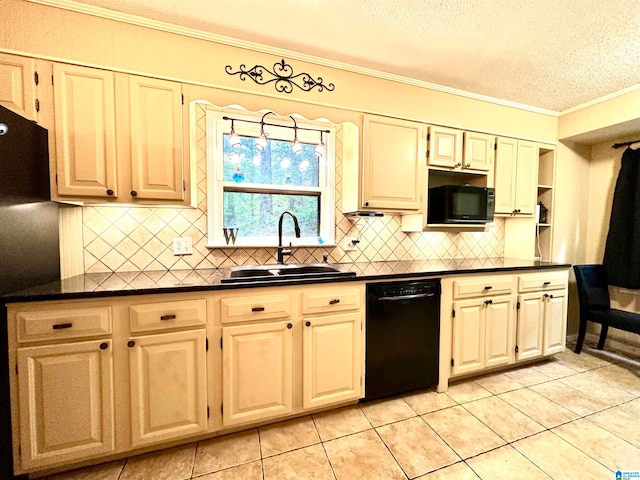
(216, 128)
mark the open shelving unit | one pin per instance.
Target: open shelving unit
(546, 178)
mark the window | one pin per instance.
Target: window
(250, 188)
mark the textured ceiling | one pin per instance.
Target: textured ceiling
(550, 54)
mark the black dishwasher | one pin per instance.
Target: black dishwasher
(402, 337)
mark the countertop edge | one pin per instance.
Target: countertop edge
(36, 294)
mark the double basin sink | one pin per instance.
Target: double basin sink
(248, 274)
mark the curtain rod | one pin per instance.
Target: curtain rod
(275, 124)
(618, 145)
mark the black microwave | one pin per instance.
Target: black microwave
(463, 204)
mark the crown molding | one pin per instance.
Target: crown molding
(289, 54)
(610, 96)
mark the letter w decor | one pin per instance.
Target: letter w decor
(230, 234)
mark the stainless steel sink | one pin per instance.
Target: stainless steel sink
(288, 271)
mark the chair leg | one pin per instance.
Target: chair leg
(603, 336)
(581, 333)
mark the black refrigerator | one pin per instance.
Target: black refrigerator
(29, 245)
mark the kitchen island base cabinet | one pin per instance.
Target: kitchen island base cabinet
(66, 402)
(168, 386)
(332, 363)
(257, 372)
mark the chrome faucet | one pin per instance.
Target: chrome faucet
(282, 252)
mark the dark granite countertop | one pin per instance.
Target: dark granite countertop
(95, 285)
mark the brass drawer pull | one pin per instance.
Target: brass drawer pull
(60, 326)
(168, 317)
(257, 309)
(334, 301)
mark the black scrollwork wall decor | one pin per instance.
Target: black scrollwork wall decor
(282, 76)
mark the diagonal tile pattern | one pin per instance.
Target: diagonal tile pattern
(120, 239)
(525, 424)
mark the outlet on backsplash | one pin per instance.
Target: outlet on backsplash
(182, 246)
(351, 244)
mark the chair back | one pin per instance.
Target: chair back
(593, 287)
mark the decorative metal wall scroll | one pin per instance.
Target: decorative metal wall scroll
(283, 77)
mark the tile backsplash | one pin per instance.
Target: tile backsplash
(120, 239)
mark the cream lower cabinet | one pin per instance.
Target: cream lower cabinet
(555, 322)
(530, 326)
(542, 314)
(168, 378)
(257, 371)
(332, 359)
(482, 333)
(66, 402)
(277, 362)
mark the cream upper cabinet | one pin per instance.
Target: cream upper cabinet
(156, 139)
(84, 106)
(66, 402)
(393, 153)
(18, 85)
(478, 151)
(119, 138)
(458, 150)
(445, 147)
(516, 176)
(332, 359)
(257, 371)
(168, 378)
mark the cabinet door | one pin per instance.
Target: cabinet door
(555, 322)
(499, 334)
(526, 178)
(468, 336)
(332, 359)
(17, 85)
(66, 402)
(505, 175)
(257, 372)
(392, 176)
(168, 386)
(478, 151)
(530, 326)
(445, 147)
(156, 139)
(84, 112)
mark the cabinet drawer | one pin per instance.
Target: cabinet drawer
(64, 323)
(260, 307)
(476, 287)
(164, 315)
(330, 300)
(543, 281)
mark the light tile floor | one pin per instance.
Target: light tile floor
(574, 416)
